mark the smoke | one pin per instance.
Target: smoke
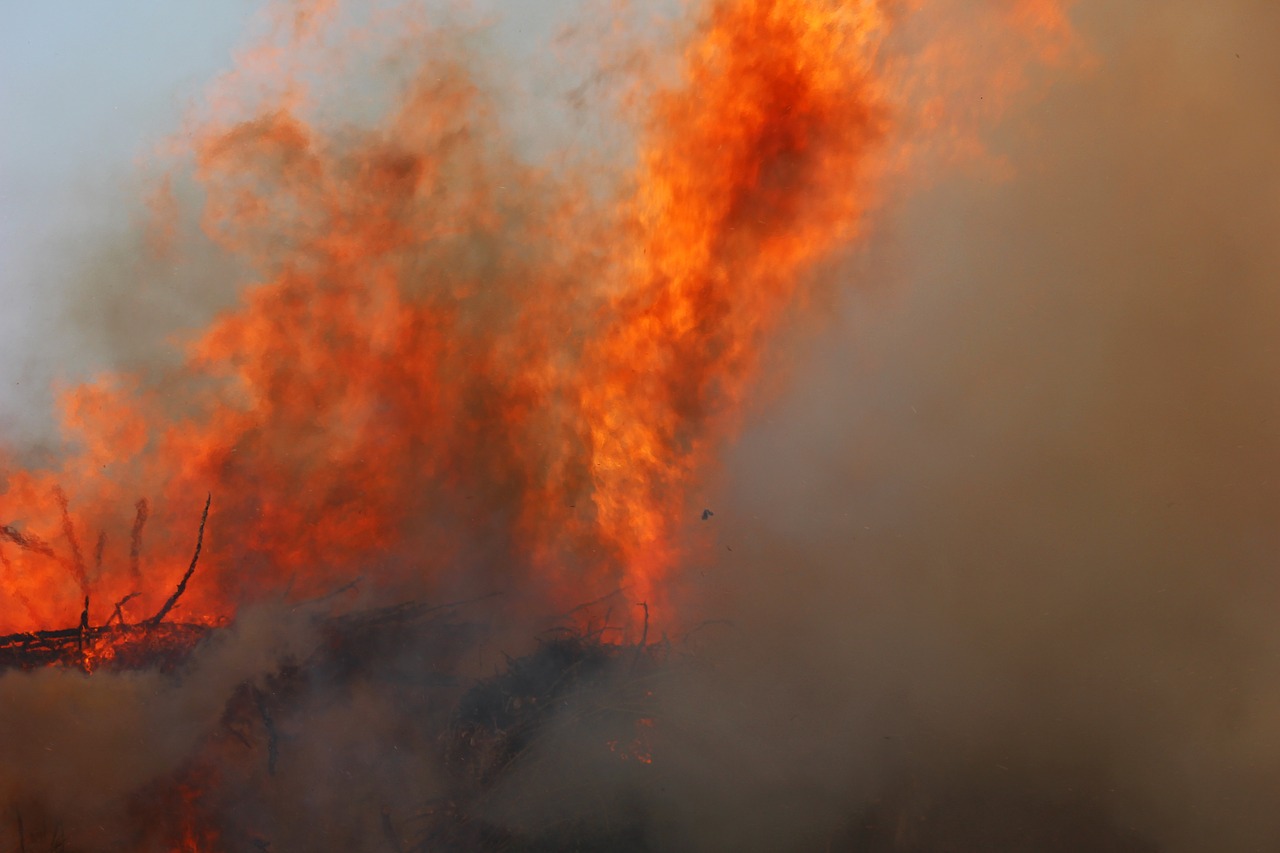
(993, 571)
(80, 749)
(1010, 536)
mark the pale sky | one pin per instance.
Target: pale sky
(86, 90)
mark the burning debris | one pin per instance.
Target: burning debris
(572, 679)
(150, 643)
(138, 646)
(410, 653)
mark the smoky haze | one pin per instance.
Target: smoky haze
(998, 565)
(1014, 528)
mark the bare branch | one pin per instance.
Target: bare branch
(118, 613)
(27, 542)
(182, 584)
(135, 540)
(97, 554)
(69, 531)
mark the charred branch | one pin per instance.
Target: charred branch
(97, 554)
(69, 531)
(182, 584)
(141, 511)
(84, 624)
(644, 636)
(118, 613)
(160, 647)
(27, 542)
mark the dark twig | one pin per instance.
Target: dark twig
(644, 636)
(97, 554)
(26, 542)
(182, 584)
(135, 540)
(327, 597)
(69, 531)
(709, 623)
(118, 613)
(84, 625)
(601, 600)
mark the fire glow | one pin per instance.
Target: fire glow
(454, 374)
(446, 347)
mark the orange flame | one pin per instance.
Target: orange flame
(452, 359)
(191, 831)
(749, 172)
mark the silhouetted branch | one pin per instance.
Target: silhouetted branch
(135, 539)
(118, 613)
(69, 531)
(182, 584)
(26, 542)
(97, 554)
(84, 624)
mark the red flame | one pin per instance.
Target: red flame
(191, 830)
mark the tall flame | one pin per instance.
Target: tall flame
(451, 359)
(749, 172)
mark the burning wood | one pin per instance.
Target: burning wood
(150, 643)
(135, 646)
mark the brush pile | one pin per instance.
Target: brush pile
(116, 644)
(162, 646)
(575, 699)
(413, 661)
(557, 715)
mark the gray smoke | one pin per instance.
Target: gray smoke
(997, 569)
(1013, 529)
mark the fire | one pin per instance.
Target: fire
(749, 172)
(447, 358)
(191, 830)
